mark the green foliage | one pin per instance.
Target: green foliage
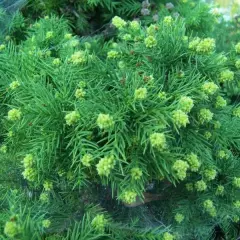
(86, 16)
(92, 15)
(154, 104)
(198, 17)
(11, 21)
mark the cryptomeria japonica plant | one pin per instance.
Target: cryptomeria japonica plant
(148, 106)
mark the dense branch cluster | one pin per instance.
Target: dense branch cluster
(152, 105)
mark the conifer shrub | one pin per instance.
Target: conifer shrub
(153, 104)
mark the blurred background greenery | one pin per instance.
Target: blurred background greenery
(231, 7)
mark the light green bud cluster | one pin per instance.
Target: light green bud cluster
(78, 58)
(10, 134)
(235, 219)
(73, 43)
(72, 118)
(44, 197)
(220, 190)
(151, 30)
(46, 223)
(162, 95)
(49, 35)
(168, 236)
(129, 196)
(237, 47)
(47, 53)
(150, 42)
(193, 161)
(210, 88)
(134, 25)
(217, 124)
(220, 102)
(236, 182)
(29, 172)
(105, 165)
(189, 187)
(236, 204)
(105, 121)
(56, 61)
(11, 229)
(15, 84)
(206, 46)
(194, 43)
(68, 36)
(158, 140)
(80, 93)
(205, 115)
(200, 186)
(210, 208)
(61, 172)
(222, 154)
(207, 135)
(113, 54)
(140, 94)
(3, 149)
(210, 174)
(136, 173)
(179, 217)
(236, 112)
(226, 76)
(138, 38)
(185, 104)
(14, 114)
(118, 22)
(87, 159)
(99, 223)
(181, 167)
(28, 161)
(39, 53)
(168, 20)
(82, 84)
(237, 64)
(47, 185)
(2, 47)
(180, 118)
(222, 58)
(127, 37)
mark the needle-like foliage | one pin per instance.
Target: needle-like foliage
(152, 105)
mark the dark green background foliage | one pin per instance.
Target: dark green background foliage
(93, 17)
